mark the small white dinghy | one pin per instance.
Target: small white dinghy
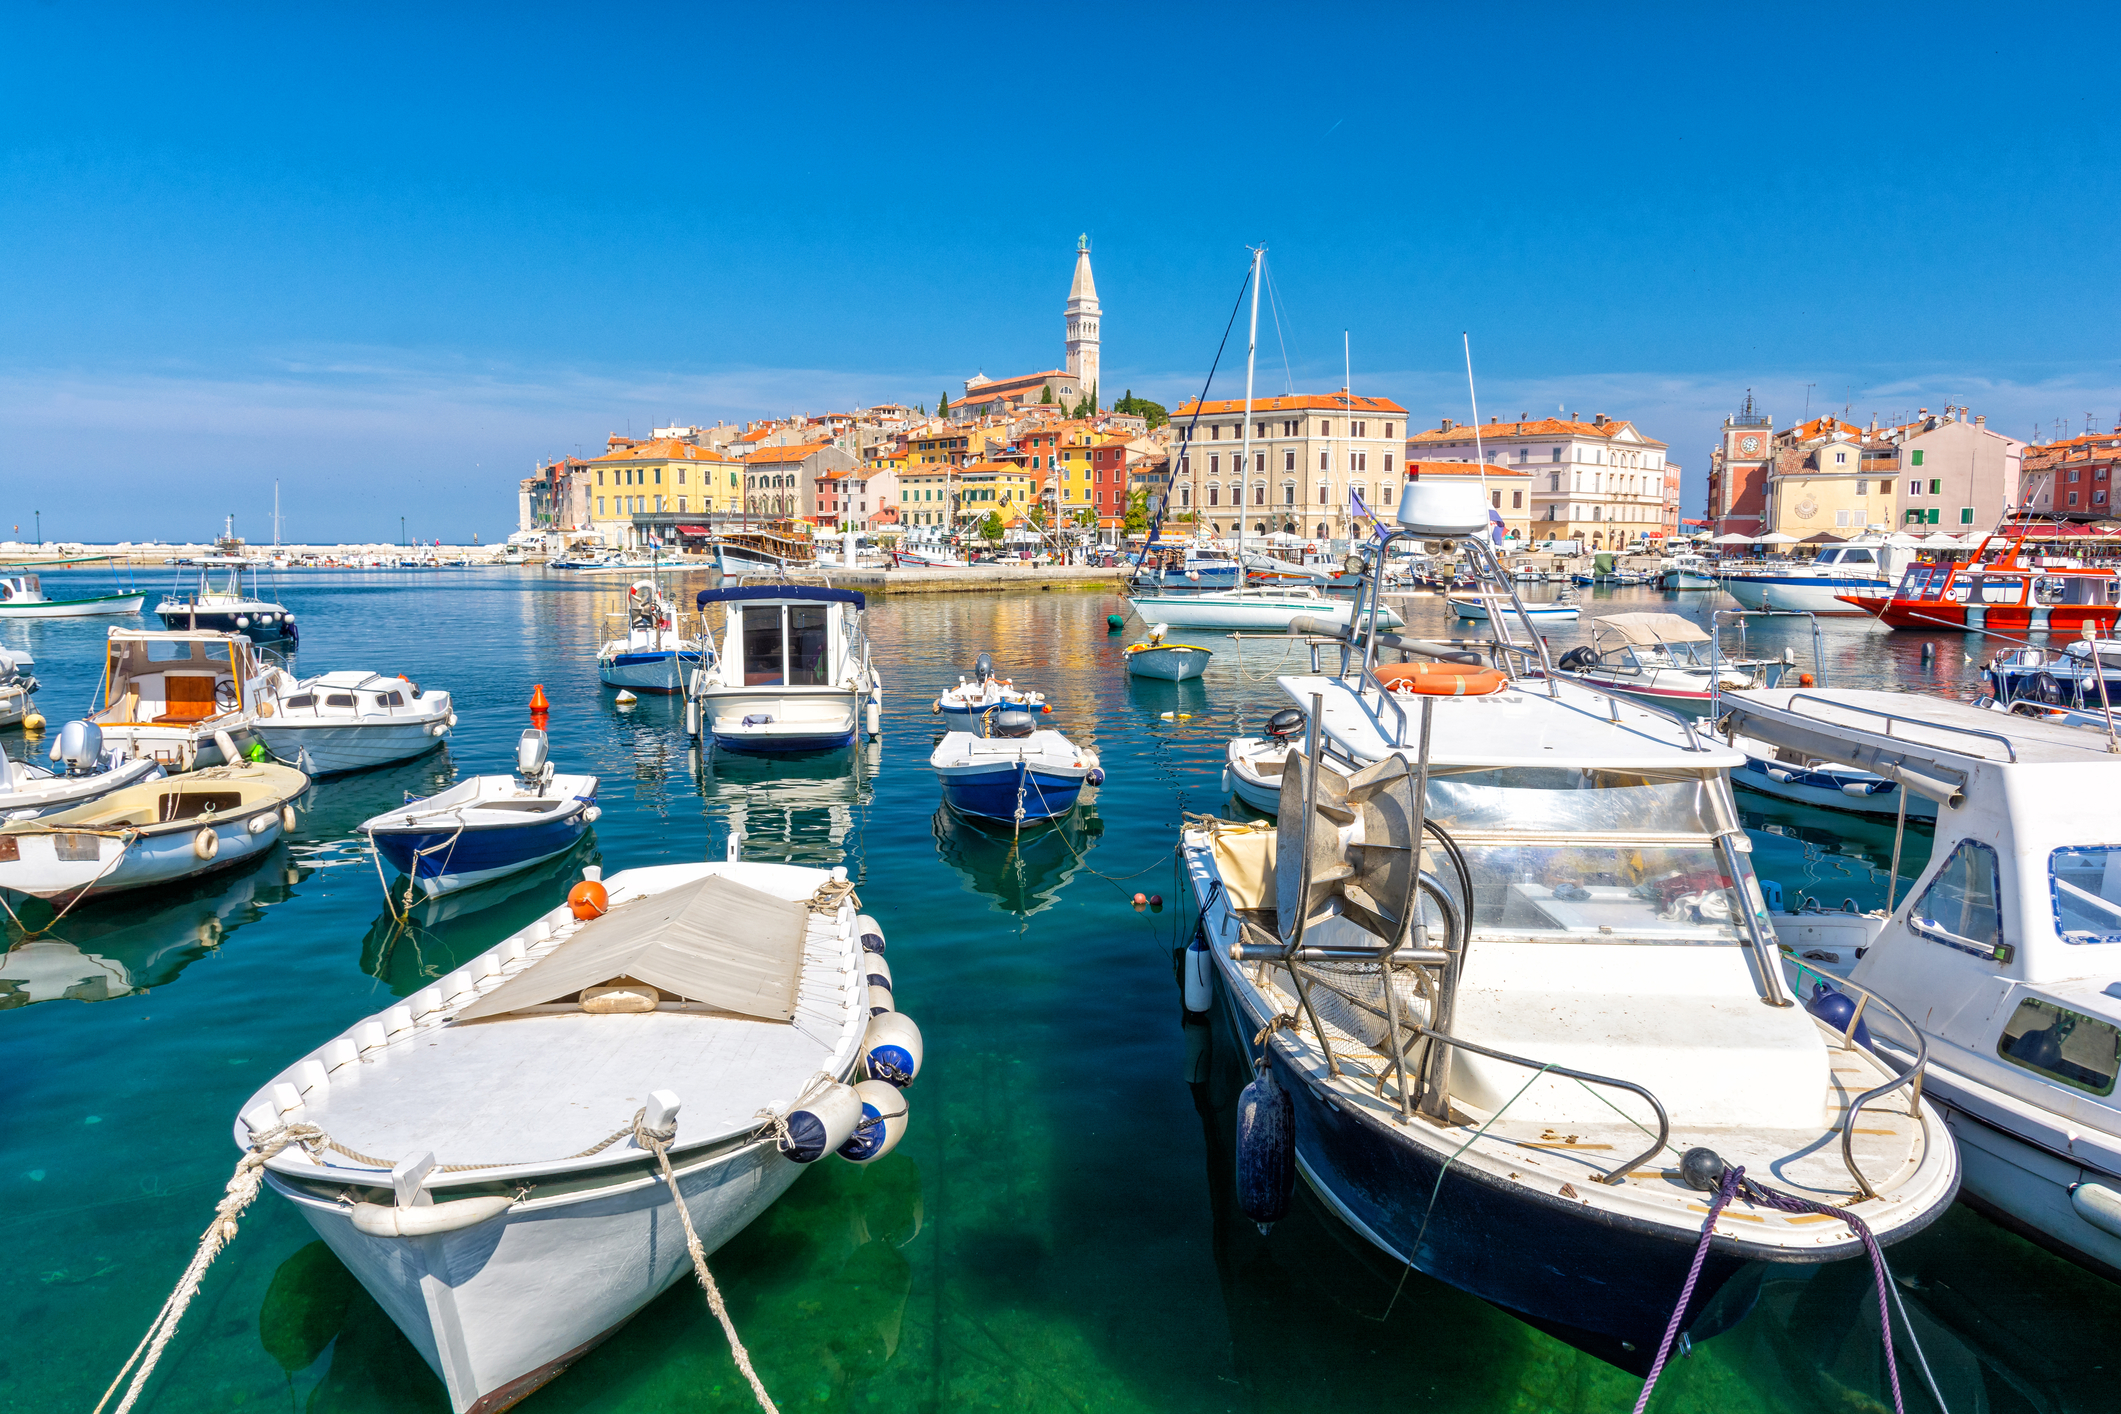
(1173, 662)
(487, 1157)
(487, 826)
(28, 790)
(152, 833)
(1252, 765)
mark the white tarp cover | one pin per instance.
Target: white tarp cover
(717, 942)
(1650, 628)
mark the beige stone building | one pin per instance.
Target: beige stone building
(1603, 481)
(1309, 453)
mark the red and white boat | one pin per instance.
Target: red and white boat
(2000, 588)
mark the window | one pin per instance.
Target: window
(1961, 907)
(681, 505)
(1916, 460)
(1914, 488)
(659, 476)
(1325, 461)
(1386, 489)
(1325, 427)
(2074, 473)
(1358, 429)
(1288, 461)
(1215, 465)
(1214, 495)
(1259, 463)
(1841, 458)
(1966, 515)
(1841, 520)
(1557, 454)
(1215, 432)
(1862, 488)
(1932, 519)
(2086, 883)
(2062, 1044)
(1388, 432)
(1516, 500)
(600, 502)
(1388, 463)
(2098, 499)
(1259, 494)
(1322, 493)
(1185, 496)
(1936, 488)
(1495, 497)
(1288, 493)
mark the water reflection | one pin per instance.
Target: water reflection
(408, 947)
(129, 942)
(801, 810)
(1024, 871)
(1828, 858)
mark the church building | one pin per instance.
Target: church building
(1069, 385)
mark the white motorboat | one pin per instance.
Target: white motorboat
(983, 692)
(655, 655)
(22, 597)
(89, 772)
(2001, 946)
(487, 826)
(1172, 662)
(176, 696)
(152, 833)
(1464, 1059)
(1686, 572)
(1196, 567)
(349, 720)
(794, 673)
(226, 602)
(1251, 608)
(1252, 765)
(1017, 772)
(17, 686)
(1659, 658)
(727, 1018)
(1866, 565)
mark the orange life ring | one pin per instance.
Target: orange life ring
(1440, 679)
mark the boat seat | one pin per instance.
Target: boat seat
(188, 696)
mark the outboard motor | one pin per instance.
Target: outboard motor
(1575, 660)
(531, 764)
(80, 747)
(1014, 724)
(1285, 725)
(984, 668)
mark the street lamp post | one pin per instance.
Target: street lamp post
(401, 530)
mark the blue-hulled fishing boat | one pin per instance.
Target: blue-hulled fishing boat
(654, 654)
(487, 826)
(1018, 773)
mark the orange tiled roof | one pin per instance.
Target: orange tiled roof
(1537, 427)
(800, 451)
(1320, 402)
(661, 449)
(1488, 469)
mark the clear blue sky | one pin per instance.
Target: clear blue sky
(392, 258)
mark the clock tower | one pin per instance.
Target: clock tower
(1738, 472)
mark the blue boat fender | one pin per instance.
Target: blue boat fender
(882, 1124)
(891, 1049)
(1096, 776)
(1266, 1150)
(872, 933)
(1199, 979)
(820, 1122)
(879, 971)
(1835, 1007)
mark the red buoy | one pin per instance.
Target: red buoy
(538, 705)
(588, 899)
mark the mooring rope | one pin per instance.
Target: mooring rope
(832, 894)
(658, 1141)
(125, 840)
(241, 1191)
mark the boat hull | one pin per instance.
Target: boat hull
(799, 721)
(220, 621)
(1684, 579)
(1249, 611)
(1823, 789)
(1801, 594)
(52, 794)
(1538, 613)
(995, 791)
(72, 608)
(500, 1308)
(648, 672)
(443, 860)
(159, 858)
(322, 750)
(2069, 620)
(1172, 664)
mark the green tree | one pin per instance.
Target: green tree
(1037, 515)
(1137, 511)
(1143, 408)
(990, 529)
(942, 406)
(1086, 516)
(1046, 397)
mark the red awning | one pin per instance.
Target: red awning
(694, 530)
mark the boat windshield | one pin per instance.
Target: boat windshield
(2086, 882)
(1592, 853)
(785, 645)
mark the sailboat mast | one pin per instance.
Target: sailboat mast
(1244, 480)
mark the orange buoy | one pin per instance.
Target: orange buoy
(588, 899)
(1804, 679)
(1440, 679)
(1141, 901)
(538, 704)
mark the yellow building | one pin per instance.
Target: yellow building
(996, 488)
(663, 474)
(924, 493)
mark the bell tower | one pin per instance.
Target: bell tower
(1083, 319)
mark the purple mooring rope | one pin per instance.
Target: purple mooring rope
(1736, 1185)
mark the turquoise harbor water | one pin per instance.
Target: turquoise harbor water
(1057, 1230)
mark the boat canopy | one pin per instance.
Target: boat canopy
(1649, 629)
(776, 593)
(717, 941)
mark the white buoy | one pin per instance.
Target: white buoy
(821, 1123)
(1199, 977)
(891, 1049)
(883, 1122)
(626, 699)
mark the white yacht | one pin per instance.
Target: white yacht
(22, 597)
(794, 673)
(654, 654)
(2007, 947)
(1868, 564)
